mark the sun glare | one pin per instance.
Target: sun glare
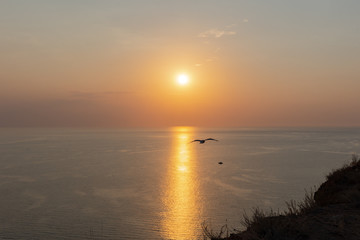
(182, 79)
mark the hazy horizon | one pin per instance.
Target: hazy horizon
(111, 64)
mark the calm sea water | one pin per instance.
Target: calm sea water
(153, 184)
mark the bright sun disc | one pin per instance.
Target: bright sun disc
(182, 79)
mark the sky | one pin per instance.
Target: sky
(87, 63)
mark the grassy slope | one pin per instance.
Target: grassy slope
(333, 212)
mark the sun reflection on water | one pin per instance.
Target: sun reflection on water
(181, 217)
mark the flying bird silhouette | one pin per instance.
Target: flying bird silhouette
(201, 141)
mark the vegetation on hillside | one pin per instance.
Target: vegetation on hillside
(331, 212)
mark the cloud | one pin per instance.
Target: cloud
(231, 25)
(246, 20)
(215, 33)
(211, 59)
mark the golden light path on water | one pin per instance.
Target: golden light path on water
(182, 209)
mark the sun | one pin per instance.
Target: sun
(182, 79)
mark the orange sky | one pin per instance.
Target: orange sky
(114, 63)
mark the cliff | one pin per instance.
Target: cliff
(333, 212)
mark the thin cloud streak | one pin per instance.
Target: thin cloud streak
(215, 33)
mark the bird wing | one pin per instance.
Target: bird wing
(211, 139)
(197, 140)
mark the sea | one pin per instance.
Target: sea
(156, 183)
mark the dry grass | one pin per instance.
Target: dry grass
(257, 217)
(292, 222)
(209, 233)
(297, 208)
(260, 223)
(337, 173)
(294, 208)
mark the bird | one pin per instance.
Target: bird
(201, 141)
(220, 163)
